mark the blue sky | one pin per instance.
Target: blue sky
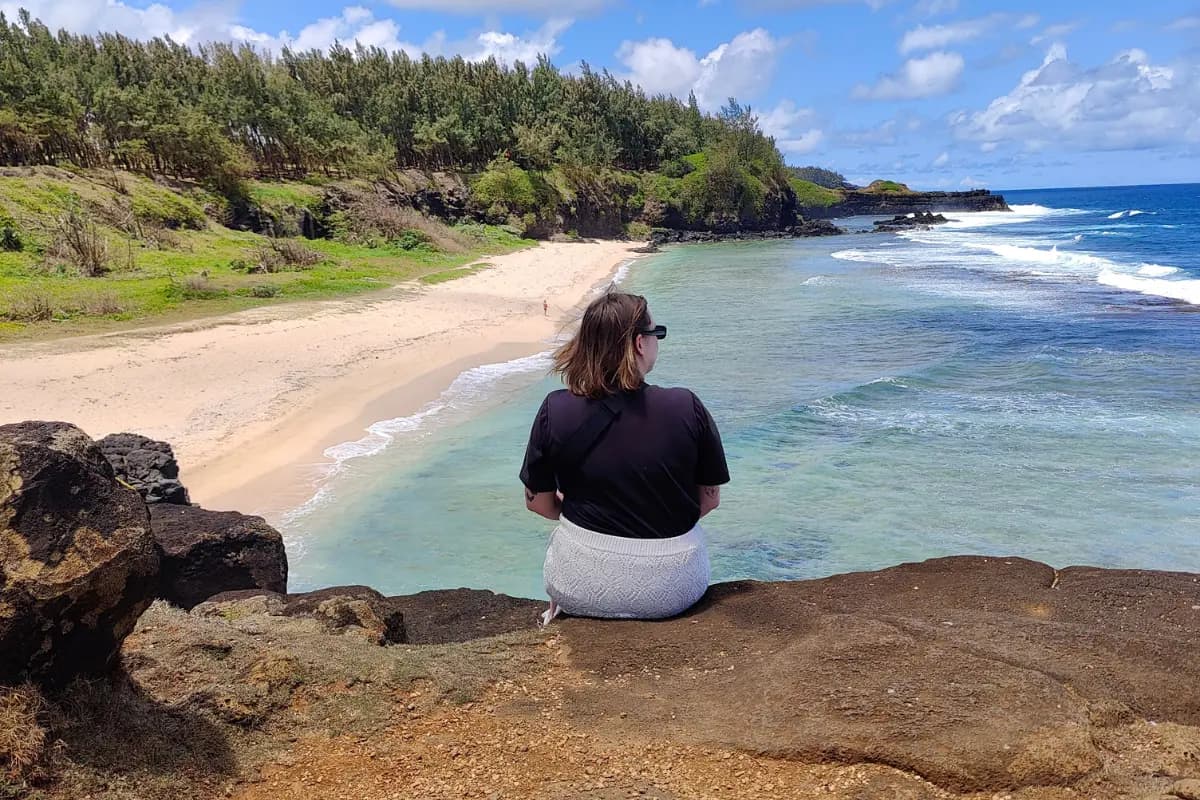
(938, 93)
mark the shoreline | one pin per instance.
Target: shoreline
(251, 401)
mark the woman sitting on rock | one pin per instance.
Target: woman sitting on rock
(627, 470)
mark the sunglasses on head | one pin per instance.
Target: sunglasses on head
(658, 332)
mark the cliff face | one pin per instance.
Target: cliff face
(859, 203)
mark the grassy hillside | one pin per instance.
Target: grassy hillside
(809, 194)
(92, 250)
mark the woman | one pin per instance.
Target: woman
(626, 468)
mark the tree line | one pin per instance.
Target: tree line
(221, 110)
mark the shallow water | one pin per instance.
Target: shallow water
(984, 387)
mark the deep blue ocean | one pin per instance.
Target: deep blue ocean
(1023, 383)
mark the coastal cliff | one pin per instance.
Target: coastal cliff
(961, 677)
(866, 203)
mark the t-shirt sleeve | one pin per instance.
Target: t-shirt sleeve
(711, 469)
(537, 473)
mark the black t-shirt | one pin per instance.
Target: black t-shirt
(640, 478)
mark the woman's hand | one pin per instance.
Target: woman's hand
(710, 498)
(546, 504)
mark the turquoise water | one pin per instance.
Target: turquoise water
(1010, 384)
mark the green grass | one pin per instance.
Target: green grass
(887, 187)
(189, 273)
(283, 195)
(452, 274)
(810, 194)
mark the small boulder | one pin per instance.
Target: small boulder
(146, 465)
(77, 559)
(208, 552)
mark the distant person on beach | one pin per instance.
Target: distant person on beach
(626, 468)
(546, 308)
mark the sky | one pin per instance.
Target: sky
(940, 94)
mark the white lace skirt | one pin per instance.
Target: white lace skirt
(591, 574)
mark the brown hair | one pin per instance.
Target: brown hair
(601, 359)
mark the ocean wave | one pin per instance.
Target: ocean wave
(468, 389)
(1133, 212)
(1186, 290)
(816, 280)
(1156, 270)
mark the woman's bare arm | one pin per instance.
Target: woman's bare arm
(547, 504)
(710, 498)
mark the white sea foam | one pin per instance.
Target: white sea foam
(1186, 290)
(816, 280)
(467, 390)
(1133, 212)
(1156, 270)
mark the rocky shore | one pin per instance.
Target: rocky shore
(864, 203)
(964, 677)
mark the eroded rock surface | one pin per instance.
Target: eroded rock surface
(206, 552)
(146, 465)
(979, 674)
(77, 559)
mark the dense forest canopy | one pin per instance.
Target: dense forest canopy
(164, 107)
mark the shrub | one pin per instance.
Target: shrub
(78, 241)
(10, 237)
(264, 290)
(196, 287)
(371, 217)
(31, 306)
(101, 304)
(638, 231)
(283, 255)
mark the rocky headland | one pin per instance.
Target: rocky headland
(964, 677)
(861, 202)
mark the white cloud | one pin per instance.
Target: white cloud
(794, 128)
(942, 160)
(202, 23)
(1184, 24)
(741, 67)
(971, 183)
(214, 22)
(1054, 32)
(936, 73)
(932, 8)
(483, 7)
(659, 67)
(1127, 103)
(938, 36)
(1028, 21)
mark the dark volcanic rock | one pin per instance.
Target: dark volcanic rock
(818, 227)
(77, 559)
(979, 674)
(920, 221)
(208, 552)
(875, 204)
(146, 465)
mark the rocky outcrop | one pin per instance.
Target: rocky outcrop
(819, 227)
(921, 221)
(862, 203)
(357, 610)
(442, 616)
(205, 553)
(146, 465)
(978, 674)
(77, 559)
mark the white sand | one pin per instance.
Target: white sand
(248, 400)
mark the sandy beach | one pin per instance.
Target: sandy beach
(251, 400)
